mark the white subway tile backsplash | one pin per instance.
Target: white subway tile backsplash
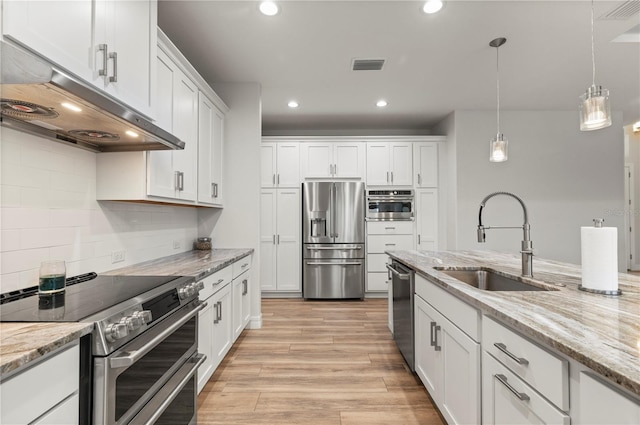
(48, 210)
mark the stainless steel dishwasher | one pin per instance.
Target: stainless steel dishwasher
(403, 285)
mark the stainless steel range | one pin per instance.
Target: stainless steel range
(140, 362)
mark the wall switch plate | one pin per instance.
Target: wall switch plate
(176, 244)
(117, 256)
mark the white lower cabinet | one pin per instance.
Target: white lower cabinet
(382, 236)
(448, 363)
(507, 399)
(227, 294)
(601, 404)
(45, 393)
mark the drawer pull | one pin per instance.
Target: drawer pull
(500, 346)
(503, 380)
(431, 339)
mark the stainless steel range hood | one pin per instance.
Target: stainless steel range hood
(36, 97)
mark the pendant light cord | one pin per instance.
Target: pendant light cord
(593, 49)
(498, 88)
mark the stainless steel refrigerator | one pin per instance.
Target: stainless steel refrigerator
(333, 236)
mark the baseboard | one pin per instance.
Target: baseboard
(255, 322)
(281, 294)
(376, 295)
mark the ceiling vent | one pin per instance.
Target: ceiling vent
(367, 64)
(623, 12)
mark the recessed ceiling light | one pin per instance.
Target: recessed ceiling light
(381, 103)
(71, 107)
(268, 8)
(131, 133)
(293, 104)
(432, 6)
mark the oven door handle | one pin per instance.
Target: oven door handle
(134, 356)
(158, 404)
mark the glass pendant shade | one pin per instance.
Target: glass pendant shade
(595, 109)
(498, 148)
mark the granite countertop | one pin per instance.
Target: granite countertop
(199, 264)
(601, 332)
(21, 343)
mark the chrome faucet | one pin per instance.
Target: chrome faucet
(527, 248)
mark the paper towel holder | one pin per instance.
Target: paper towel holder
(597, 222)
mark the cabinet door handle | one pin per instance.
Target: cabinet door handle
(392, 177)
(245, 287)
(435, 333)
(387, 177)
(114, 77)
(418, 239)
(432, 340)
(278, 178)
(419, 179)
(273, 179)
(176, 176)
(277, 239)
(215, 190)
(520, 360)
(217, 318)
(181, 181)
(220, 318)
(503, 380)
(103, 48)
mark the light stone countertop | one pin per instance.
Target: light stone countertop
(21, 343)
(601, 332)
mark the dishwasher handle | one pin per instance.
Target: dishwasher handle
(401, 276)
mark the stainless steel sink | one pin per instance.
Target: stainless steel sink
(490, 280)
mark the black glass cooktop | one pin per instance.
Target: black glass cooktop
(79, 300)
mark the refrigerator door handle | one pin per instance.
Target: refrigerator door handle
(327, 263)
(333, 248)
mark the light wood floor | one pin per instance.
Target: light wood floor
(316, 363)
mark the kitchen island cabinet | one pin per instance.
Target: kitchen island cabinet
(557, 340)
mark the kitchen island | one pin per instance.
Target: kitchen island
(599, 332)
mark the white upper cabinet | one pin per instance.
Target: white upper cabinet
(427, 219)
(389, 164)
(109, 43)
(333, 160)
(425, 164)
(280, 165)
(172, 174)
(210, 149)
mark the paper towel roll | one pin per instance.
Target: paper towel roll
(599, 258)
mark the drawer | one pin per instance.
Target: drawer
(543, 370)
(241, 266)
(377, 282)
(40, 387)
(462, 315)
(502, 398)
(390, 227)
(216, 281)
(381, 243)
(377, 262)
(65, 413)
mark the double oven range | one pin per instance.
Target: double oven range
(139, 365)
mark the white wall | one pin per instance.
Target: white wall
(238, 224)
(48, 210)
(565, 177)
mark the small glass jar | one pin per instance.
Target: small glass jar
(203, 244)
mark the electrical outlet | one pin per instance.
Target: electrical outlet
(176, 244)
(117, 256)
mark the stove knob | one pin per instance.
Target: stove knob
(132, 322)
(182, 293)
(116, 331)
(144, 316)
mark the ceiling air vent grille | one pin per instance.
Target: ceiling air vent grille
(367, 64)
(624, 11)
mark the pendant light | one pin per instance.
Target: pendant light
(498, 145)
(595, 110)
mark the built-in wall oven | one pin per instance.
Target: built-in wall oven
(390, 204)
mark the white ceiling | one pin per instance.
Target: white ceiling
(435, 64)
